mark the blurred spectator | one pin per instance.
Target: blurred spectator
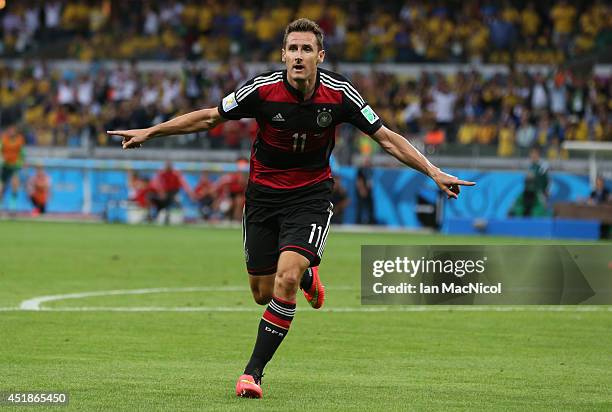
(532, 201)
(167, 183)
(530, 21)
(563, 15)
(600, 193)
(487, 129)
(39, 186)
(506, 139)
(140, 191)
(413, 111)
(555, 151)
(539, 94)
(229, 195)
(53, 13)
(204, 194)
(502, 32)
(12, 148)
(434, 138)
(526, 133)
(340, 199)
(365, 199)
(537, 176)
(558, 95)
(467, 132)
(443, 106)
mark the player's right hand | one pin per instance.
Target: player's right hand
(449, 184)
(133, 138)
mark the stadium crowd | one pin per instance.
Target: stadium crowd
(505, 113)
(546, 31)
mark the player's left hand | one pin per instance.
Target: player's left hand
(449, 184)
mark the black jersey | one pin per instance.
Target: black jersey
(296, 136)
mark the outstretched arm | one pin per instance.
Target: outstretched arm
(402, 150)
(196, 121)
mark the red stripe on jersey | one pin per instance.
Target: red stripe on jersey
(276, 320)
(326, 95)
(276, 92)
(288, 178)
(283, 140)
(280, 139)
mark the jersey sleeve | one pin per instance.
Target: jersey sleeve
(241, 103)
(357, 111)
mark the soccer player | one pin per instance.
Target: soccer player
(39, 185)
(168, 182)
(288, 209)
(12, 146)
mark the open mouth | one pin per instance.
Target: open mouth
(298, 67)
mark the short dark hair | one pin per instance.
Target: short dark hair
(304, 25)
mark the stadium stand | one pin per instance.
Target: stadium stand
(478, 81)
(504, 114)
(547, 32)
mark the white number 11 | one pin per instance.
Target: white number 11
(299, 142)
(312, 233)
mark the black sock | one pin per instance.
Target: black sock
(273, 328)
(306, 282)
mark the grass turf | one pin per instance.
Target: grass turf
(341, 361)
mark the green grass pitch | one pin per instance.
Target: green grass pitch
(160, 360)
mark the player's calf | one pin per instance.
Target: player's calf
(262, 298)
(262, 288)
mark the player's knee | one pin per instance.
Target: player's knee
(288, 279)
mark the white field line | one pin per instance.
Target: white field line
(34, 304)
(346, 309)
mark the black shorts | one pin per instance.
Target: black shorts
(300, 224)
(7, 172)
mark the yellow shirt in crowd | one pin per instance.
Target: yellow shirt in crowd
(563, 18)
(505, 147)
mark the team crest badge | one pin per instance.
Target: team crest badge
(324, 118)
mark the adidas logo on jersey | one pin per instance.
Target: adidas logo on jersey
(278, 118)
